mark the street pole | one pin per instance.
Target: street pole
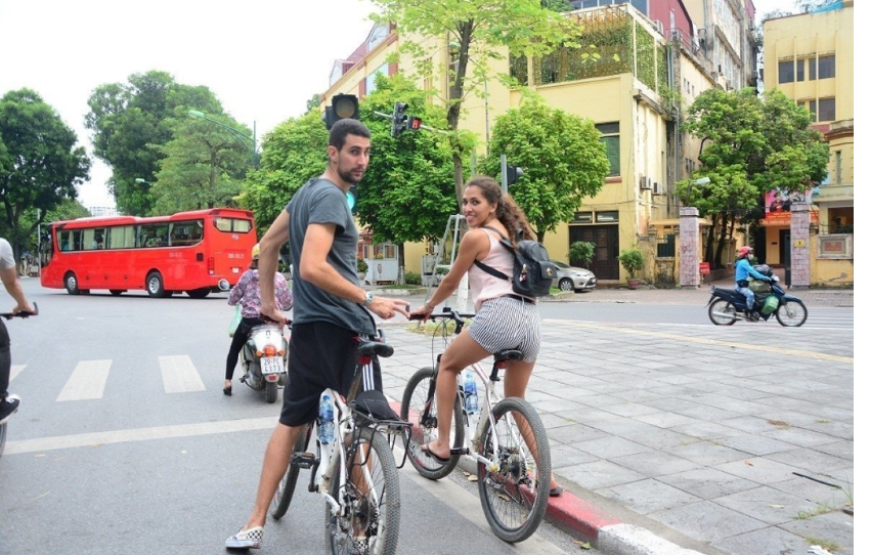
(504, 183)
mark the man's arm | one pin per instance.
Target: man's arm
(9, 276)
(270, 249)
(315, 269)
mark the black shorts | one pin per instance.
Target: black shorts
(322, 356)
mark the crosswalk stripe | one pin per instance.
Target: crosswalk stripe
(180, 375)
(88, 381)
(16, 369)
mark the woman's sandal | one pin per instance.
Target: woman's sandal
(228, 390)
(438, 459)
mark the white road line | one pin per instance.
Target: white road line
(95, 439)
(180, 375)
(16, 369)
(88, 381)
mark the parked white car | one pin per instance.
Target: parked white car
(571, 278)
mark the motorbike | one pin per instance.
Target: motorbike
(264, 360)
(9, 316)
(726, 306)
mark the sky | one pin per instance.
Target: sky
(263, 59)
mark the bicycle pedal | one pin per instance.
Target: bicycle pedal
(303, 460)
(458, 451)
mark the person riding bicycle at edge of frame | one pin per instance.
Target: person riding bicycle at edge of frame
(329, 309)
(503, 320)
(9, 276)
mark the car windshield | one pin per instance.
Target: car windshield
(560, 264)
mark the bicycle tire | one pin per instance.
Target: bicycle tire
(284, 494)
(356, 513)
(2, 437)
(423, 433)
(513, 486)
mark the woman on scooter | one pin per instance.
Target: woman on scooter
(247, 292)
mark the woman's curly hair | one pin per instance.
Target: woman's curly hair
(507, 211)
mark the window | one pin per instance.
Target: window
(812, 63)
(800, 70)
(838, 166)
(827, 67)
(186, 233)
(786, 71)
(610, 138)
(153, 235)
(827, 109)
(70, 240)
(583, 217)
(370, 80)
(607, 217)
(122, 237)
(234, 225)
(94, 239)
(813, 111)
(666, 246)
(378, 34)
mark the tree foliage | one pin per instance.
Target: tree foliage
(562, 158)
(40, 164)
(131, 121)
(749, 145)
(474, 30)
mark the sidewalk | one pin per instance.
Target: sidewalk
(678, 440)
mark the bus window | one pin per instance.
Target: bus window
(71, 240)
(153, 235)
(234, 225)
(121, 237)
(186, 233)
(94, 239)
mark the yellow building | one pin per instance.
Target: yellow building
(628, 93)
(810, 58)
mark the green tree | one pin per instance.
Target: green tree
(749, 145)
(474, 31)
(67, 209)
(293, 153)
(313, 103)
(204, 166)
(562, 157)
(130, 122)
(40, 164)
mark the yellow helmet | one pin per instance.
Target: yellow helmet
(255, 252)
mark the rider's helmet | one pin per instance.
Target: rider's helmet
(744, 252)
(255, 252)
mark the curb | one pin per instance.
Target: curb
(586, 522)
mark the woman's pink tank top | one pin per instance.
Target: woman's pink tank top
(485, 286)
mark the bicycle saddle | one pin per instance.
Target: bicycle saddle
(508, 354)
(374, 348)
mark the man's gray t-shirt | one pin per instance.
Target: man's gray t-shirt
(320, 201)
(7, 259)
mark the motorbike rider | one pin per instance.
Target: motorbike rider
(9, 277)
(247, 292)
(743, 272)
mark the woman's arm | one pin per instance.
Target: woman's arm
(238, 291)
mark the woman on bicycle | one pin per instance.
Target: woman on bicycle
(247, 292)
(503, 320)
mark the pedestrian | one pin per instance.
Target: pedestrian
(9, 277)
(503, 320)
(330, 310)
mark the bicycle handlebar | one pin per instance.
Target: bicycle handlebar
(447, 312)
(22, 314)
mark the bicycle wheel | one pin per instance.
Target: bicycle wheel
(284, 493)
(423, 430)
(368, 518)
(515, 497)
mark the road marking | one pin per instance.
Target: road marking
(96, 439)
(715, 342)
(16, 369)
(88, 381)
(180, 375)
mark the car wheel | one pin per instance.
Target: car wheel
(566, 284)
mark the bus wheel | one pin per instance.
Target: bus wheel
(154, 285)
(116, 292)
(199, 293)
(71, 283)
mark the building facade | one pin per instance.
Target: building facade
(810, 58)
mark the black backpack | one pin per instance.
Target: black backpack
(533, 273)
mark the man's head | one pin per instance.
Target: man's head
(744, 252)
(349, 149)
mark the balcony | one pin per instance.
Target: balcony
(835, 193)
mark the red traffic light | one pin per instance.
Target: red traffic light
(414, 124)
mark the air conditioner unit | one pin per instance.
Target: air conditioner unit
(645, 182)
(660, 27)
(658, 188)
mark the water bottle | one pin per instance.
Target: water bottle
(470, 388)
(325, 422)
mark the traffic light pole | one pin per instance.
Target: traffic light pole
(504, 176)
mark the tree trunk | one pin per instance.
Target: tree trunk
(465, 32)
(723, 235)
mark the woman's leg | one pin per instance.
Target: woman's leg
(515, 381)
(461, 353)
(239, 339)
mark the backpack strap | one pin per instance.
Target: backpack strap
(489, 269)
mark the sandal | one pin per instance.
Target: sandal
(228, 389)
(438, 459)
(556, 491)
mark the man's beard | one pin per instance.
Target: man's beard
(348, 177)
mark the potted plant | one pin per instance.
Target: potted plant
(583, 252)
(632, 261)
(361, 268)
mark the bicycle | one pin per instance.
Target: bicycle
(360, 479)
(9, 316)
(513, 465)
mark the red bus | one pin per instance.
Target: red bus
(188, 251)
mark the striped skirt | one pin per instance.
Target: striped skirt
(508, 323)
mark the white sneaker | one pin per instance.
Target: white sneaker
(246, 539)
(8, 406)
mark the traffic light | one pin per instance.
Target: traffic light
(343, 106)
(414, 124)
(399, 120)
(514, 173)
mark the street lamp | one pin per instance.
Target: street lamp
(253, 140)
(697, 182)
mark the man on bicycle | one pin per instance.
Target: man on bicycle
(329, 313)
(9, 276)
